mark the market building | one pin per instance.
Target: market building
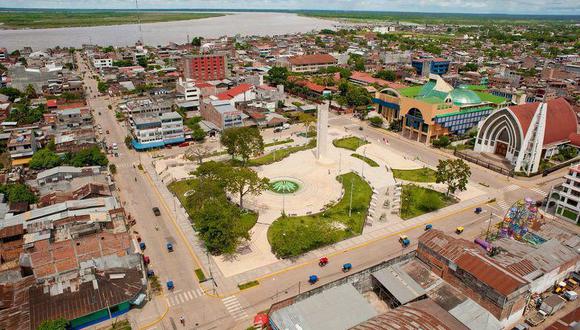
(435, 109)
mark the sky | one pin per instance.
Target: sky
(542, 7)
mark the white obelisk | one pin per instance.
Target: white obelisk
(322, 132)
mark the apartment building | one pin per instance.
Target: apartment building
(147, 106)
(157, 131)
(187, 94)
(565, 199)
(205, 67)
(102, 61)
(221, 113)
(21, 146)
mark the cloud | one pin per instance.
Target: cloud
(571, 7)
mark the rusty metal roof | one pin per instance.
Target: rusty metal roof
(447, 246)
(87, 299)
(485, 270)
(14, 304)
(423, 314)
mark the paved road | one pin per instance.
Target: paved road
(229, 311)
(138, 197)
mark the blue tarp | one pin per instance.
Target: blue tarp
(143, 146)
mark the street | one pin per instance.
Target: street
(198, 305)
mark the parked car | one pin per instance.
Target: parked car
(156, 211)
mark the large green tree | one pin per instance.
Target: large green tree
(278, 75)
(92, 156)
(454, 173)
(243, 142)
(18, 192)
(243, 181)
(44, 159)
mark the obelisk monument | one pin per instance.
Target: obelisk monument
(322, 132)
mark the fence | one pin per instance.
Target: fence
(483, 163)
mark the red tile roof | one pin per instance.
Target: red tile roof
(312, 59)
(233, 92)
(369, 79)
(560, 122)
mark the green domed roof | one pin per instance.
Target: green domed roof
(463, 96)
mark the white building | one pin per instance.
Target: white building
(102, 62)
(187, 94)
(565, 199)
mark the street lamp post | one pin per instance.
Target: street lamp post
(350, 204)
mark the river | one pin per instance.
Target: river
(245, 23)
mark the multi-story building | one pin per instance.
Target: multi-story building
(311, 63)
(427, 66)
(22, 145)
(102, 61)
(188, 94)
(147, 106)
(74, 118)
(565, 199)
(435, 109)
(205, 67)
(221, 113)
(157, 131)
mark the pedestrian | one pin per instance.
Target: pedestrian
(329, 172)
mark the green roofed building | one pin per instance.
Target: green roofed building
(436, 108)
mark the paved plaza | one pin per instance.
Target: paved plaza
(318, 188)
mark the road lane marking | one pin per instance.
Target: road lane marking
(511, 188)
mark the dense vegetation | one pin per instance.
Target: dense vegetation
(41, 19)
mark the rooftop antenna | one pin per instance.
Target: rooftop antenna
(139, 22)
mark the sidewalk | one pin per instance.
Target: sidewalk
(364, 239)
(182, 220)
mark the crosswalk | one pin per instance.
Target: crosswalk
(123, 165)
(539, 191)
(503, 204)
(511, 187)
(177, 298)
(234, 308)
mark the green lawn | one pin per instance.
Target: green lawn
(276, 143)
(278, 155)
(416, 201)
(43, 19)
(424, 174)
(179, 188)
(293, 236)
(367, 160)
(350, 143)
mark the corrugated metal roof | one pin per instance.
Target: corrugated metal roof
(399, 284)
(423, 314)
(489, 273)
(474, 316)
(337, 308)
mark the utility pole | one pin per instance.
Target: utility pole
(350, 204)
(488, 226)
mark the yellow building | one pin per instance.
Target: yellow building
(435, 109)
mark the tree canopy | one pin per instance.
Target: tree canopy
(92, 156)
(243, 142)
(453, 172)
(278, 75)
(18, 192)
(44, 159)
